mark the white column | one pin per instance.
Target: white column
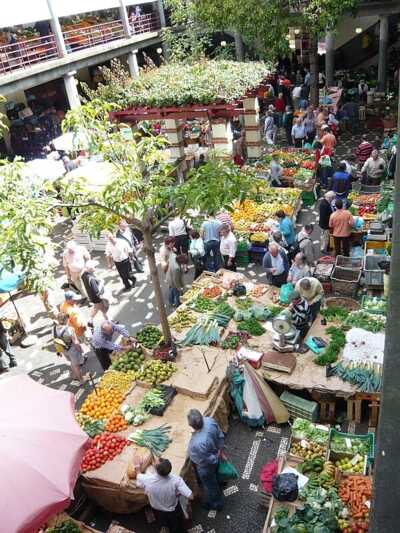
(56, 29)
(329, 58)
(133, 63)
(71, 89)
(124, 18)
(222, 136)
(252, 127)
(383, 51)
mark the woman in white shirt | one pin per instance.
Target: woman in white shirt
(197, 252)
(228, 246)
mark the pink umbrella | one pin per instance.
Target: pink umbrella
(41, 449)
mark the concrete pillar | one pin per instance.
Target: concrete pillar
(133, 63)
(329, 58)
(252, 127)
(239, 46)
(56, 29)
(123, 13)
(72, 90)
(163, 23)
(383, 51)
(222, 136)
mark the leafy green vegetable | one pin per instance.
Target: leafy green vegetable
(366, 377)
(252, 326)
(68, 526)
(230, 343)
(306, 520)
(372, 304)
(303, 429)
(360, 446)
(336, 344)
(335, 313)
(274, 310)
(364, 320)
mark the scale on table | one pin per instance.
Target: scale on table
(376, 231)
(286, 336)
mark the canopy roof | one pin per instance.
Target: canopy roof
(181, 84)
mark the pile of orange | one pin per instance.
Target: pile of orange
(102, 403)
(116, 423)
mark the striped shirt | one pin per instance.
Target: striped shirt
(300, 313)
(363, 151)
(224, 218)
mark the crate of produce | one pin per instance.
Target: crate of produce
(349, 464)
(308, 198)
(206, 278)
(373, 274)
(379, 247)
(299, 407)
(242, 259)
(345, 282)
(374, 305)
(323, 271)
(350, 444)
(352, 263)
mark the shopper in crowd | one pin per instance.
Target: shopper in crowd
(269, 128)
(279, 104)
(286, 227)
(174, 277)
(305, 244)
(352, 110)
(210, 234)
(333, 123)
(309, 126)
(76, 320)
(196, 251)
(341, 182)
(312, 291)
(374, 169)
(298, 78)
(299, 269)
(166, 249)
(5, 350)
(341, 223)
(300, 313)
(126, 233)
(307, 78)
(275, 172)
(205, 451)
(74, 259)
(363, 91)
(321, 80)
(303, 104)
(119, 253)
(325, 211)
(296, 94)
(177, 228)
(298, 133)
(328, 140)
(287, 123)
(278, 239)
(163, 490)
(320, 119)
(228, 247)
(276, 265)
(102, 341)
(67, 344)
(225, 218)
(95, 291)
(363, 150)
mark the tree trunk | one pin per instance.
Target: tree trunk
(314, 71)
(149, 251)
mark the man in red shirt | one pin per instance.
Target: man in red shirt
(280, 105)
(363, 150)
(341, 223)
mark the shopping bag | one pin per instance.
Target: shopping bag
(226, 471)
(285, 292)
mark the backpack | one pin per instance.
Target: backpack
(295, 248)
(61, 341)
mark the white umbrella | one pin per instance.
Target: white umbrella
(70, 142)
(44, 169)
(95, 174)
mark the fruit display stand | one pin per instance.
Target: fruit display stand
(109, 485)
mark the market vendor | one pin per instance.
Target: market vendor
(163, 490)
(374, 169)
(228, 247)
(102, 341)
(300, 312)
(312, 291)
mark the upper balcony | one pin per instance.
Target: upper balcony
(26, 53)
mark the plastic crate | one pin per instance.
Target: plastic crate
(352, 263)
(374, 245)
(370, 437)
(308, 198)
(373, 275)
(345, 282)
(299, 407)
(365, 298)
(242, 259)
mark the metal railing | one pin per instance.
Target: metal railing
(24, 54)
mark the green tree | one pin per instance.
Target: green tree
(264, 24)
(144, 189)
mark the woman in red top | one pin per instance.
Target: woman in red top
(280, 105)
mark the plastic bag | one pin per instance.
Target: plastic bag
(259, 312)
(244, 314)
(284, 487)
(285, 292)
(226, 471)
(250, 399)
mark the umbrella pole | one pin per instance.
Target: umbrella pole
(18, 315)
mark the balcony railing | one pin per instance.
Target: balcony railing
(24, 54)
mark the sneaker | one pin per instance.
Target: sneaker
(13, 364)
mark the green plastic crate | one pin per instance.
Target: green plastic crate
(299, 407)
(242, 260)
(365, 298)
(308, 198)
(242, 247)
(370, 437)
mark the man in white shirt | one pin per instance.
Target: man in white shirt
(120, 252)
(74, 259)
(296, 93)
(125, 232)
(374, 168)
(163, 490)
(228, 247)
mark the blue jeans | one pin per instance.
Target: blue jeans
(212, 493)
(174, 297)
(212, 256)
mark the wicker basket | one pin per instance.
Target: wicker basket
(345, 282)
(347, 303)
